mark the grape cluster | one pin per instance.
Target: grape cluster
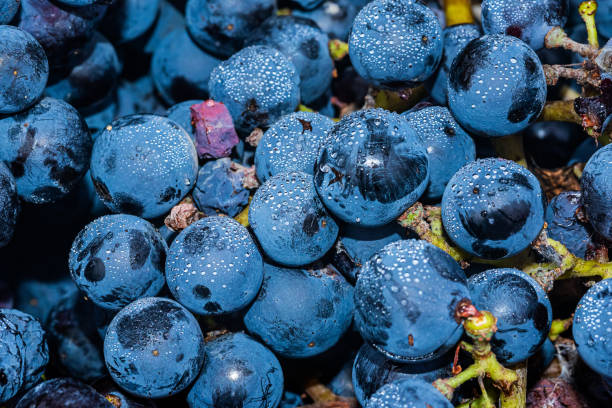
(318, 203)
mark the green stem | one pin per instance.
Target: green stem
(587, 10)
(480, 328)
(426, 222)
(558, 326)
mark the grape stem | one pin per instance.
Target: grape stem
(458, 12)
(558, 326)
(558, 38)
(587, 10)
(426, 222)
(581, 75)
(323, 397)
(480, 328)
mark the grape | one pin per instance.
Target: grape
(395, 43)
(493, 208)
(596, 184)
(592, 328)
(522, 309)
(516, 80)
(403, 291)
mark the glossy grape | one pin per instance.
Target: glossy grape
(24, 69)
(237, 372)
(592, 327)
(301, 313)
(596, 184)
(395, 43)
(493, 208)
(529, 20)
(274, 92)
(117, 259)
(408, 393)
(214, 267)
(289, 220)
(9, 205)
(403, 291)
(143, 165)
(513, 72)
(291, 144)
(371, 168)
(522, 309)
(47, 148)
(154, 348)
(448, 146)
(303, 42)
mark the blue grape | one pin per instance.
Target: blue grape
(334, 17)
(214, 267)
(289, 220)
(522, 309)
(13, 361)
(72, 327)
(220, 189)
(61, 30)
(303, 42)
(564, 225)
(47, 148)
(301, 313)
(448, 146)
(180, 69)
(24, 69)
(64, 392)
(117, 259)
(127, 20)
(408, 393)
(154, 348)
(169, 19)
(222, 26)
(529, 20)
(493, 208)
(583, 152)
(454, 38)
(138, 96)
(181, 114)
(8, 9)
(363, 242)
(291, 144)
(120, 398)
(371, 168)
(93, 79)
(237, 372)
(395, 43)
(291, 400)
(342, 383)
(372, 370)
(513, 72)
(550, 144)
(38, 298)
(36, 352)
(9, 205)
(596, 184)
(143, 165)
(592, 328)
(402, 292)
(273, 89)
